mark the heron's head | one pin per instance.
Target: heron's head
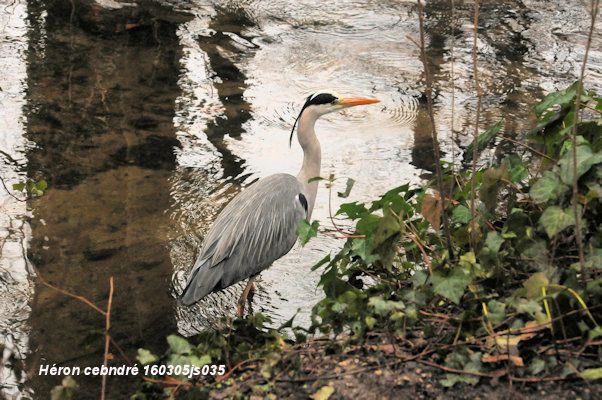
(321, 103)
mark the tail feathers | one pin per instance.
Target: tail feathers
(202, 281)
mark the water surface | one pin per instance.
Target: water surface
(145, 133)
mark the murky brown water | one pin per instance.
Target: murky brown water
(144, 134)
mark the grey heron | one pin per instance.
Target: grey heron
(260, 224)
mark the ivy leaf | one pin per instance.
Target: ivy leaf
(536, 366)
(384, 307)
(591, 374)
(460, 359)
(482, 141)
(493, 180)
(452, 379)
(554, 219)
(19, 186)
(353, 210)
(200, 361)
(494, 241)
(451, 287)
(178, 344)
(42, 185)
(461, 214)
(564, 98)
(497, 311)
(65, 391)
(534, 284)
(516, 167)
(348, 187)
(323, 261)
(585, 160)
(361, 248)
(146, 357)
(305, 231)
(323, 393)
(387, 226)
(547, 187)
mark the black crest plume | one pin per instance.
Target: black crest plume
(314, 99)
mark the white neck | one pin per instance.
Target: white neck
(312, 156)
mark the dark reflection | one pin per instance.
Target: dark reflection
(509, 91)
(438, 30)
(100, 117)
(229, 81)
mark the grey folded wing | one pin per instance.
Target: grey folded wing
(256, 228)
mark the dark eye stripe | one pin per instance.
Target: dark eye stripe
(322, 98)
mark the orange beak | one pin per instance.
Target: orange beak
(356, 101)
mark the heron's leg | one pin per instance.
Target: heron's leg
(240, 307)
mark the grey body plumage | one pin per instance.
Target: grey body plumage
(257, 227)
(260, 224)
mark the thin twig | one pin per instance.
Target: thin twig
(526, 146)
(342, 233)
(435, 139)
(459, 371)
(9, 192)
(67, 293)
(475, 68)
(594, 13)
(453, 136)
(107, 339)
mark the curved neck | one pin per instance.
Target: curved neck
(312, 156)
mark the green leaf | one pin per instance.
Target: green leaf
(348, 187)
(42, 185)
(516, 167)
(388, 226)
(315, 179)
(461, 214)
(536, 366)
(497, 311)
(554, 219)
(547, 187)
(146, 357)
(367, 224)
(493, 180)
(384, 307)
(535, 283)
(585, 160)
(65, 391)
(200, 361)
(451, 287)
(564, 98)
(361, 248)
(452, 379)
(594, 333)
(353, 210)
(323, 393)
(494, 241)
(19, 186)
(305, 231)
(482, 141)
(178, 344)
(323, 261)
(591, 374)
(461, 359)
